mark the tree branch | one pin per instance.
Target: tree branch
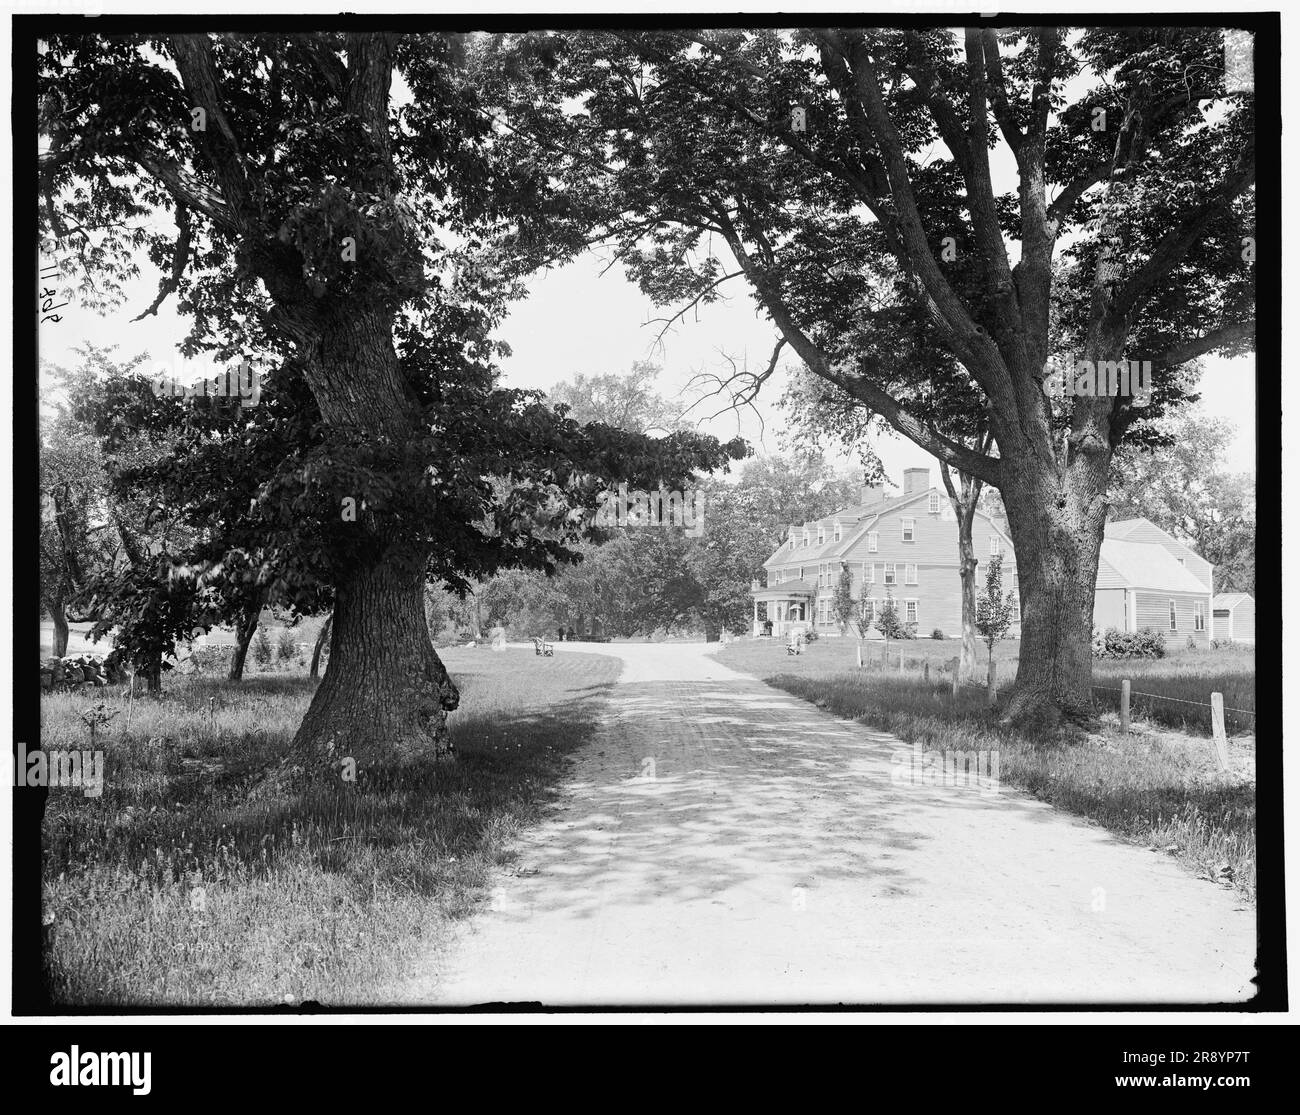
(180, 257)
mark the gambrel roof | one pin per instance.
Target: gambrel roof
(857, 521)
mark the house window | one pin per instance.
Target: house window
(805, 536)
(909, 530)
(1173, 615)
(868, 611)
(837, 532)
(821, 535)
(801, 572)
(995, 545)
(1198, 619)
(778, 576)
(909, 574)
(891, 573)
(873, 542)
(869, 573)
(934, 503)
(909, 611)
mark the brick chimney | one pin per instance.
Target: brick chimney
(870, 493)
(915, 480)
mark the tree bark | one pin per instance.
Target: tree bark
(243, 637)
(967, 566)
(60, 618)
(322, 638)
(386, 694)
(1057, 527)
(964, 503)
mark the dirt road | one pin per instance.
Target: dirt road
(724, 843)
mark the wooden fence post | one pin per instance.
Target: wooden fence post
(1220, 735)
(1125, 689)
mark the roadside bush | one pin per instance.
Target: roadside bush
(937, 634)
(1220, 644)
(262, 647)
(1114, 643)
(810, 636)
(1191, 642)
(285, 646)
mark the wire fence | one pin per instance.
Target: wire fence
(1203, 718)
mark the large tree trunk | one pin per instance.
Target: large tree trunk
(60, 618)
(322, 638)
(1057, 528)
(243, 637)
(386, 694)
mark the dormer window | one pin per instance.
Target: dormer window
(821, 535)
(805, 536)
(838, 530)
(934, 503)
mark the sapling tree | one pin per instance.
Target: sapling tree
(994, 614)
(842, 600)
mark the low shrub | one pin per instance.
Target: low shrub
(1114, 643)
(937, 634)
(285, 646)
(262, 648)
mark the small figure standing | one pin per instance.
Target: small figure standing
(561, 632)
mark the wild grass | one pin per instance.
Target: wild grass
(1183, 674)
(1175, 690)
(174, 889)
(1149, 788)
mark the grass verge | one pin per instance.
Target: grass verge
(172, 889)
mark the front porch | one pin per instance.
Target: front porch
(789, 607)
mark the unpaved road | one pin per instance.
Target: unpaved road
(723, 843)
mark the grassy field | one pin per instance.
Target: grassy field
(1158, 787)
(172, 889)
(1183, 675)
